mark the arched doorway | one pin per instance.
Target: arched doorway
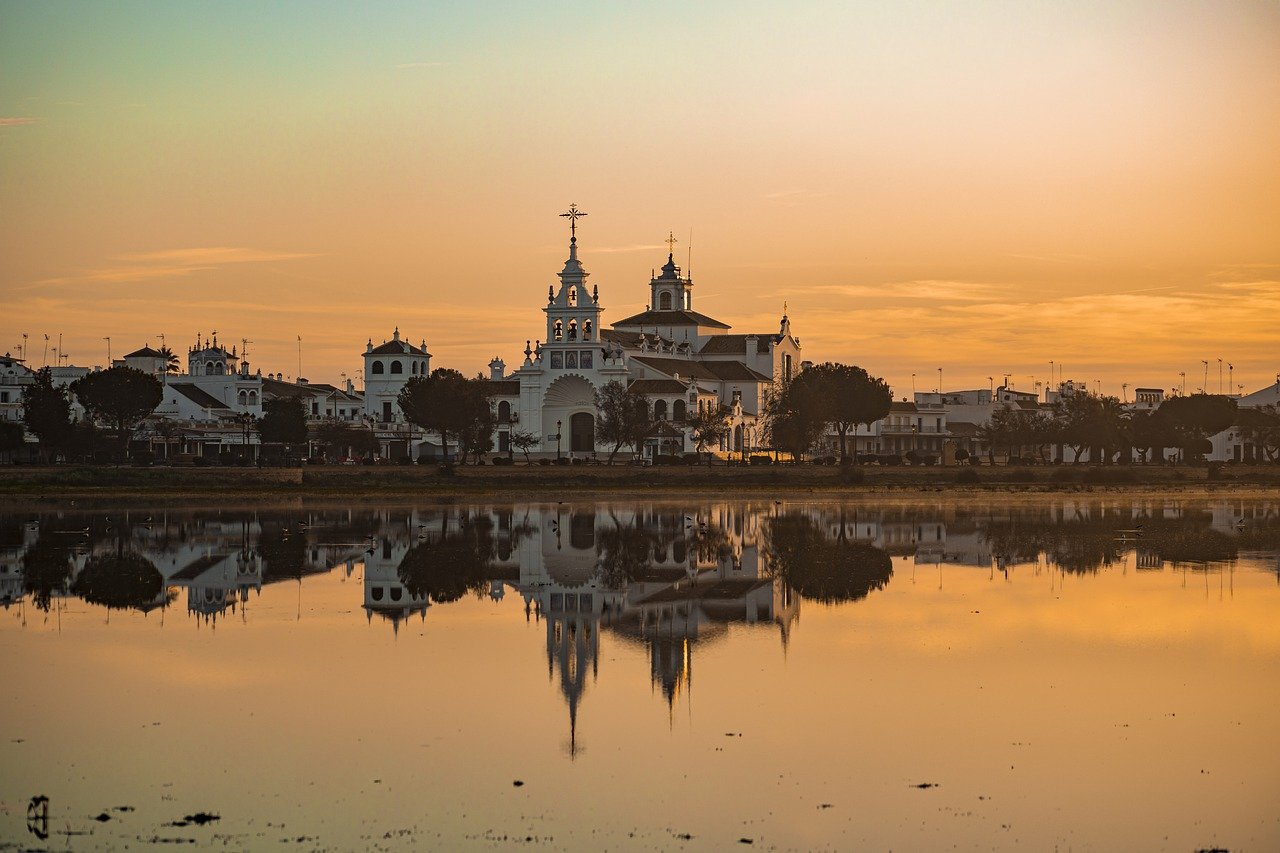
(582, 433)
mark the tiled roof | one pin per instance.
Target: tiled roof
(276, 388)
(145, 352)
(397, 348)
(962, 428)
(670, 318)
(903, 407)
(502, 387)
(735, 344)
(718, 371)
(656, 386)
(201, 398)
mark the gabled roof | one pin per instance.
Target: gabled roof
(903, 407)
(145, 352)
(962, 428)
(717, 371)
(201, 398)
(735, 344)
(276, 388)
(670, 318)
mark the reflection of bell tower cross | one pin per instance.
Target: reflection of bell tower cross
(572, 216)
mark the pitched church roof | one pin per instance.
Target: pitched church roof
(735, 344)
(145, 352)
(716, 371)
(397, 348)
(671, 318)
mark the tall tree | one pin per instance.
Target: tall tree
(1150, 433)
(824, 568)
(709, 426)
(12, 437)
(171, 365)
(791, 424)
(476, 435)
(1091, 421)
(1261, 428)
(46, 412)
(840, 395)
(1198, 416)
(284, 421)
(443, 403)
(122, 396)
(624, 417)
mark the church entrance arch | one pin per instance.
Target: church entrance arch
(582, 433)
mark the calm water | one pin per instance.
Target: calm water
(1084, 673)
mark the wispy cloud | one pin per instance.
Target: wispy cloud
(169, 263)
(402, 66)
(930, 289)
(17, 121)
(638, 247)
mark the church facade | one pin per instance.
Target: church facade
(679, 360)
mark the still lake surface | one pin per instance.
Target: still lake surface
(1071, 672)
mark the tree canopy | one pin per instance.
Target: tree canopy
(829, 569)
(46, 411)
(446, 403)
(1091, 421)
(708, 426)
(284, 421)
(122, 396)
(839, 395)
(1197, 416)
(624, 417)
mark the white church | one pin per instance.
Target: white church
(680, 360)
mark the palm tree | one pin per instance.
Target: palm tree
(171, 364)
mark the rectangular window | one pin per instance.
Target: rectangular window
(4, 396)
(557, 601)
(584, 359)
(571, 359)
(386, 411)
(315, 408)
(504, 442)
(557, 361)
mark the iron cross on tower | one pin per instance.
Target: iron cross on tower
(671, 243)
(573, 215)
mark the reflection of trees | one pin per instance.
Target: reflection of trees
(449, 564)
(1083, 539)
(120, 580)
(283, 553)
(45, 569)
(624, 552)
(823, 568)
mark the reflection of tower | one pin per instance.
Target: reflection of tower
(573, 645)
(384, 593)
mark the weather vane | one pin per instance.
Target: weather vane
(671, 242)
(573, 215)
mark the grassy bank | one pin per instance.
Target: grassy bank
(538, 481)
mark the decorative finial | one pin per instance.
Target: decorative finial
(784, 308)
(572, 215)
(671, 245)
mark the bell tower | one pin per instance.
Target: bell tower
(573, 314)
(669, 291)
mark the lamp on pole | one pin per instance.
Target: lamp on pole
(558, 424)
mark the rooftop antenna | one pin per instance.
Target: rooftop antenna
(299, 357)
(688, 264)
(44, 360)
(108, 340)
(24, 346)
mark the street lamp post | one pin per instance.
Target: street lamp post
(558, 424)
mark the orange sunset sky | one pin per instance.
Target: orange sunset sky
(981, 187)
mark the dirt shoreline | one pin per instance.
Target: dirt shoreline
(52, 484)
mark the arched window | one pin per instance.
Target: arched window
(660, 410)
(557, 331)
(253, 398)
(208, 368)
(413, 368)
(677, 410)
(242, 396)
(377, 368)
(586, 330)
(573, 330)
(504, 412)
(397, 367)
(375, 592)
(664, 301)
(217, 369)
